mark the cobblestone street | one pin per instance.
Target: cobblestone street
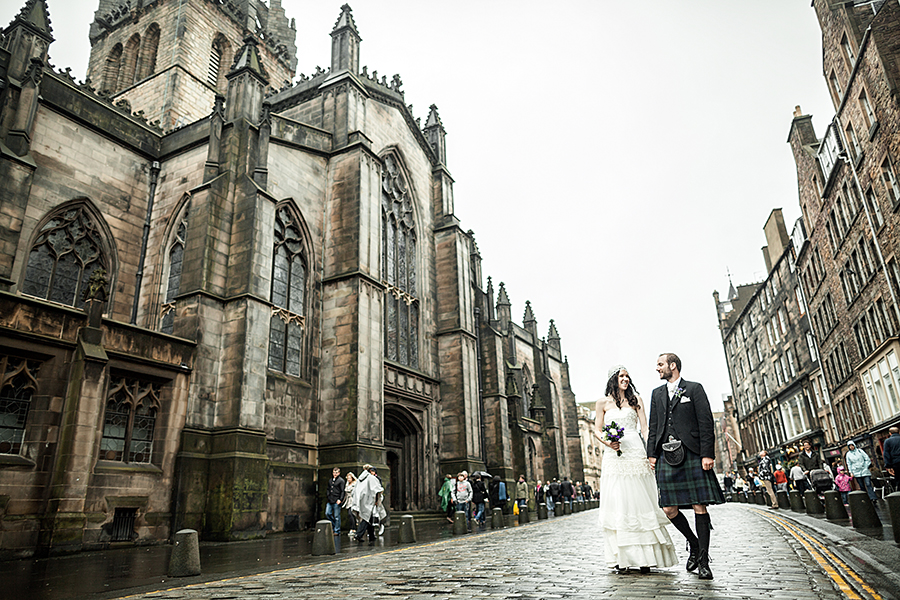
(753, 556)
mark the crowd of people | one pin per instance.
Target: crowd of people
(855, 471)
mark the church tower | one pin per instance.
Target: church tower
(169, 58)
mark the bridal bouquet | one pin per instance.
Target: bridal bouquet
(614, 433)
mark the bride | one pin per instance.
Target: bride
(634, 527)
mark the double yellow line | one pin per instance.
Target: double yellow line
(833, 566)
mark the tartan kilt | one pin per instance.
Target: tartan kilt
(687, 484)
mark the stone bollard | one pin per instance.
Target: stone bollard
(813, 504)
(542, 511)
(185, 559)
(510, 520)
(496, 518)
(567, 508)
(834, 506)
(407, 529)
(783, 500)
(797, 504)
(524, 517)
(893, 505)
(323, 541)
(862, 511)
(459, 523)
(760, 497)
(576, 507)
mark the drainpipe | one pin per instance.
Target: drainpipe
(154, 177)
(480, 386)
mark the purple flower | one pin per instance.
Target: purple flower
(614, 433)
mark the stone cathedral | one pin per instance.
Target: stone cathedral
(220, 279)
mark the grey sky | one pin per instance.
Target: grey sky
(612, 158)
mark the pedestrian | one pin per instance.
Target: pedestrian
(539, 492)
(766, 476)
(859, 463)
(522, 493)
(479, 495)
(634, 527)
(380, 518)
(567, 491)
(554, 496)
(780, 479)
(462, 494)
(445, 494)
(333, 498)
(891, 455)
(842, 481)
(809, 459)
(348, 500)
(798, 478)
(728, 483)
(498, 494)
(366, 494)
(740, 485)
(579, 492)
(588, 490)
(681, 446)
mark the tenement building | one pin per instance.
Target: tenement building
(849, 194)
(219, 281)
(591, 449)
(770, 353)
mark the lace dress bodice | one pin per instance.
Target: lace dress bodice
(633, 460)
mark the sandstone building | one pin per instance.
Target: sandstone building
(849, 192)
(216, 285)
(771, 354)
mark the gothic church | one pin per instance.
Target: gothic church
(219, 281)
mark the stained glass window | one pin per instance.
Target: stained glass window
(173, 281)
(16, 389)
(289, 290)
(129, 421)
(64, 256)
(401, 312)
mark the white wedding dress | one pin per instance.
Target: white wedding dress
(634, 526)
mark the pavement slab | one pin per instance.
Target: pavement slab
(562, 558)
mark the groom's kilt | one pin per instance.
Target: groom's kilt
(687, 484)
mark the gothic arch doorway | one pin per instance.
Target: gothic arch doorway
(404, 455)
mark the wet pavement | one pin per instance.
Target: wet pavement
(756, 553)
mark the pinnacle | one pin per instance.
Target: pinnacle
(434, 119)
(35, 14)
(529, 314)
(553, 334)
(345, 20)
(248, 58)
(502, 298)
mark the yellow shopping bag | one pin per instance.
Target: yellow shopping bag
(515, 508)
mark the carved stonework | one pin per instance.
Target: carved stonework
(409, 385)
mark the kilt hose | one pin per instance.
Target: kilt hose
(687, 484)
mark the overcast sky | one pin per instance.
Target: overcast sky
(614, 159)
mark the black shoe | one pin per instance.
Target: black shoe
(703, 570)
(621, 570)
(645, 570)
(693, 559)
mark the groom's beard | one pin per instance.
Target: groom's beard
(666, 374)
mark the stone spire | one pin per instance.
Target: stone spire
(28, 36)
(345, 41)
(504, 308)
(435, 134)
(489, 292)
(529, 321)
(553, 335)
(244, 99)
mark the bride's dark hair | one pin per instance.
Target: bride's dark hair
(612, 389)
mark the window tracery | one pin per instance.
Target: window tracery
(401, 341)
(173, 281)
(65, 253)
(289, 290)
(17, 386)
(129, 421)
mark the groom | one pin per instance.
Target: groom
(680, 411)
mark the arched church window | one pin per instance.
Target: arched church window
(130, 62)
(173, 281)
(401, 314)
(219, 61)
(111, 69)
(149, 49)
(66, 252)
(17, 386)
(290, 273)
(129, 421)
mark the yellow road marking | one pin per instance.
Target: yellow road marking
(825, 558)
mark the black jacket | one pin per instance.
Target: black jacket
(566, 489)
(479, 493)
(554, 490)
(336, 489)
(809, 463)
(692, 420)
